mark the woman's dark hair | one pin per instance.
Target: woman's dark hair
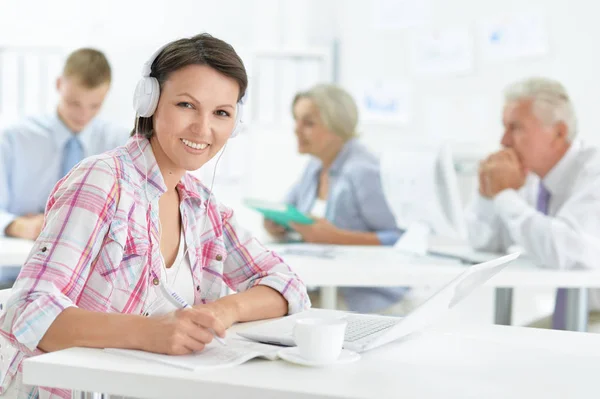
(202, 49)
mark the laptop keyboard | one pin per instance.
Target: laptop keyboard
(359, 327)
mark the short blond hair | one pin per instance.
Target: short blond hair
(337, 108)
(551, 102)
(90, 66)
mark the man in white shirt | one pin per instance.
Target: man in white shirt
(542, 191)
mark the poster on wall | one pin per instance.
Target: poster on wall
(383, 101)
(510, 37)
(442, 51)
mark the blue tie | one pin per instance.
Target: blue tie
(72, 155)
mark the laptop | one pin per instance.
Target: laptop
(365, 332)
(463, 253)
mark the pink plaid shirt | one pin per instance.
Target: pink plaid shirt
(99, 250)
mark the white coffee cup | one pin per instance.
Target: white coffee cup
(320, 339)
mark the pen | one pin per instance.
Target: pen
(178, 301)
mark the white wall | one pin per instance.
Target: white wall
(128, 31)
(476, 99)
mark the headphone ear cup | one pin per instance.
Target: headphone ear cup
(239, 122)
(146, 95)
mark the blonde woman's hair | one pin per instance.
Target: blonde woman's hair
(336, 106)
(551, 103)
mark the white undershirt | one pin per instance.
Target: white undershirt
(319, 208)
(179, 275)
(179, 279)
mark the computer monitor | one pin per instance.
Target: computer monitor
(421, 188)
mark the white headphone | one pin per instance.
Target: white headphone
(147, 93)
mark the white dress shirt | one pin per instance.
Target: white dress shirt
(568, 237)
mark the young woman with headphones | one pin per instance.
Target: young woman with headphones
(124, 227)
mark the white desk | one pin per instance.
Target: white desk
(382, 266)
(385, 267)
(477, 362)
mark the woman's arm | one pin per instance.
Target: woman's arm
(177, 333)
(42, 312)
(80, 327)
(347, 237)
(258, 303)
(77, 219)
(266, 286)
(323, 232)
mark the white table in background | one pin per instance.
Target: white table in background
(13, 253)
(385, 267)
(382, 266)
(476, 362)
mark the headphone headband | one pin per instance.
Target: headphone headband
(147, 93)
(147, 68)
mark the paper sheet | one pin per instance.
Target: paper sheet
(383, 101)
(213, 356)
(445, 51)
(514, 36)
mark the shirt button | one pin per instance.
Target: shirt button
(44, 249)
(197, 288)
(219, 257)
(155, 281)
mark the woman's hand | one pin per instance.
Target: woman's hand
(274, 229)
(321, 231)
(182, 332)
(224, 310)
(27, 227)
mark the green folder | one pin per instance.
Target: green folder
(281, 214)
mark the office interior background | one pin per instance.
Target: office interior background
(422, 72)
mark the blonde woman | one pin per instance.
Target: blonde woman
(341, 186)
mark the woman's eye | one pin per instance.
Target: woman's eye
(222, 113)
(184, 104)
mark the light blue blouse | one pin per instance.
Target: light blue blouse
(355, 202)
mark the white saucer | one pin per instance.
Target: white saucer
(291, 355)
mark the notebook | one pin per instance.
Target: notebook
(214, 356)
(281, 214)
